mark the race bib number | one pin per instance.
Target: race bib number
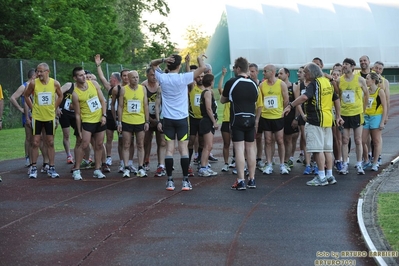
(348, 96)
(94, 104)
(197, 99)
(67, 105)
(109, 104)
(370, 103)
(151, 107)
(303, 91)
(270, 102)
(133, 106)
(44, 98)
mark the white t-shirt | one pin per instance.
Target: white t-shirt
(174, 93)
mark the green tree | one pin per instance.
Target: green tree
(142, 40)
(197, 41)
(75, 30)
(18, 24)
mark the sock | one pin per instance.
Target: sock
(184, 162)
(322, 174)
(190, 153)
(169, 166)
(329, 173)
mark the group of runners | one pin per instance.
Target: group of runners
(181, 107)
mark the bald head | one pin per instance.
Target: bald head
(133, 77)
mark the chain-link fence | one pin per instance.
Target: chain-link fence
(13, 73)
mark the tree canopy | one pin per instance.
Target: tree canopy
(75, 30)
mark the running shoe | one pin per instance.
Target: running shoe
(374, 167)
(70, 160)
(186, 185)
(212, 158)
(85, 164)
(33, 172)
(211, 172)
(27, 161)
(366, 165)
(146, 166)
(344, 170)
(239, 185)
(141, 173)
(52, 173)
(45, 168)
(379, 161)
(160, 171)
(170, 185)
(132, 169)
(284, 170)
(260, 165)
(338, 165)
(301, 158)
(225, 167)
(105, 168)
(331, 180)
(203, 171)
(268, 170)
(126, 173)
(190, 171)
(98, 174)
(121, 168)
(76, 175)
(360, 170)
(290, 163)
(316, 181)
(108, 161)
(251, 183)
(233, 163)
(307, 170)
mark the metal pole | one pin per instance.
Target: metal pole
(55, 69)
(107, 68)
(21, 70)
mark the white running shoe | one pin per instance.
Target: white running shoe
(108, 161)
(33, 172)
(126, 173)
(260, 165)
(268, 170)
(141, 173)
(211, 172)
(133, 169)
(98, 174)
(225, 168)
(284, 170)
(76, 175)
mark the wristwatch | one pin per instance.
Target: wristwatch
(290, 104)
(105, 115)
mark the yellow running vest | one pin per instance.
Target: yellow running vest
(43, 101)
(271, 98)
(195, 99)
(90, 105)
(133, 106)
(351, 96)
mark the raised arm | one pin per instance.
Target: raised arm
(104, 81)
(221, 80)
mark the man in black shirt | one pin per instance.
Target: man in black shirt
(242, 93)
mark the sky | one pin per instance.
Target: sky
(184, 13)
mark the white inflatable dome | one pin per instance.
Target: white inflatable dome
(290, 33)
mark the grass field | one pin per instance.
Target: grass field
(13, 141)
(388, 217)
